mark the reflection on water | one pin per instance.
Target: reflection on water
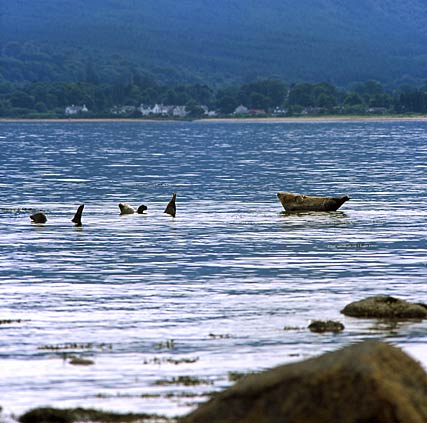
(211, 291)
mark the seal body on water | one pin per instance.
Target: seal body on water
(126, 209)
(171, 207)
(77, 219)
(141, 209)
(306, 203)
(38, 217)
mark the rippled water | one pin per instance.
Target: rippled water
(229, 285)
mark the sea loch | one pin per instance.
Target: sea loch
(228, 285)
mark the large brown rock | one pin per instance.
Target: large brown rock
(371, 382)
(385, 307)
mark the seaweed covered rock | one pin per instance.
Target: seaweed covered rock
(385, 307)
(71, 415)
(321, 326)
(367, 382)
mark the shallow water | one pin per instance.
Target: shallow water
(229, 285)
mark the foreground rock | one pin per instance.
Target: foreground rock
(385, 307)
(368, 382)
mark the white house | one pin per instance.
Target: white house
(241, 110)
(145, 110)
(179, 111)
(74, 110)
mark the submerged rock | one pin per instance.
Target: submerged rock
(321, 326)
(385, 307)
(367, 382)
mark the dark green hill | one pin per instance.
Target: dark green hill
(215, 40)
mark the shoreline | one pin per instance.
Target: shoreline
(328, 118)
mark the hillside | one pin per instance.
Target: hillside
(216, 41)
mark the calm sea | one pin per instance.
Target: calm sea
(170, 309)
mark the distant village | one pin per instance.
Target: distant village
(181, 112)
(264, 98)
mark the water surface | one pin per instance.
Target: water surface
(229, 285)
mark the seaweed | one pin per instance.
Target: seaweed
(184, 380)
(70, 415)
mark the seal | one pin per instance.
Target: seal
(126, 209)
(307, 203)
(171, 207)
(77, 219)
(141, 209)
(39, 217)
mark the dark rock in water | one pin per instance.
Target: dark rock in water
(39, 217)
(321, 326)
(370, 382)
(307, 203)
(47, 415)
(171, 207)
(70, 415)
(383, 306)
(126, 209)
(141, 209)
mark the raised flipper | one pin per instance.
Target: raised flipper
(171, 207)
(77, 219)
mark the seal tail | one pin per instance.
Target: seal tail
(171, 207)
(77, 219)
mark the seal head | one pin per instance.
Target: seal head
(126, 209)
(39, 217)
(141, 209)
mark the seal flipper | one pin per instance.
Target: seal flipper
(171, 207)
(77, 219)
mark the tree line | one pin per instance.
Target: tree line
(49, 99)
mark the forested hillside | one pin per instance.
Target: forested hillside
(214, 41)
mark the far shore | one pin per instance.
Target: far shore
(272, 119)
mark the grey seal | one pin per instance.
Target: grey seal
(38, 217)
(126, 209)
(307, 203)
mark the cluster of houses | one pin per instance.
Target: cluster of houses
(160, 110)
(244, 111)
(75, 110)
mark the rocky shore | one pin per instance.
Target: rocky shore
(371, 381)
